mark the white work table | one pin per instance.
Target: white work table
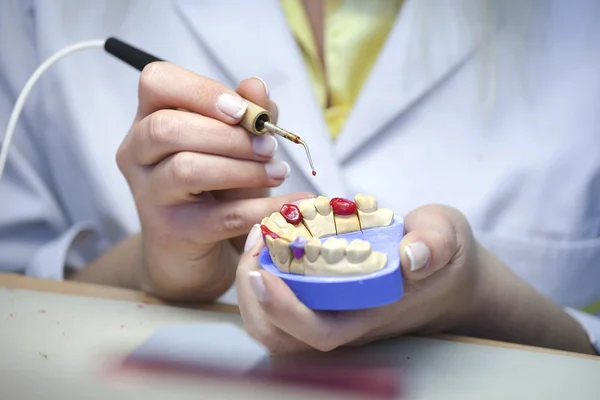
(56, 338)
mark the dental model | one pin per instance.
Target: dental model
(336, 254)
(304, 239)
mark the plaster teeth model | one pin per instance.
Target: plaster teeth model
(369, 215)
(338, 258)
(305, 239)
(298, 248)
(289, 231)
(334, 250)
(345, 216)
(318, 216)
(358, 251)
(312, 250)
(365, 203)
(280, 253)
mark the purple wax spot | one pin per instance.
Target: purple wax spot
(297, 247)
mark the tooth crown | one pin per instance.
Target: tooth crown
(322, 205)
(365, 203)
(358, 251)
(308, 210)
(293, 236)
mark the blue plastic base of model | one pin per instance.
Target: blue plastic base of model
(337, 293)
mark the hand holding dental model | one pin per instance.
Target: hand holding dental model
(195, 150)
(451, 284)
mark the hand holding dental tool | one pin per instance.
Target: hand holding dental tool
(256, 119)
(199, 181)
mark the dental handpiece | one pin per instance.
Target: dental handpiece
(256, 120)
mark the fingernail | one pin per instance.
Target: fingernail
(264, 84)
(258, 285)
(418, 254)
(277, 169)
(252, 238)
(264, 145)
(232, 105)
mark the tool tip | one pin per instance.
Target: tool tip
(312, 167)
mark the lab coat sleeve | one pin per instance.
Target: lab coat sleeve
(37, 237)
(591, 325)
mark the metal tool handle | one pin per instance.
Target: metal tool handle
(254, 119)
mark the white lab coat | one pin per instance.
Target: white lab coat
(525, 172)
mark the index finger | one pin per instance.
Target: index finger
(164, 85)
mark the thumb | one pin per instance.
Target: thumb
(435, 236)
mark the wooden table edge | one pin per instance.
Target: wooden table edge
(20, 282)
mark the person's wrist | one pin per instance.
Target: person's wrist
(482, 309)
(175, 276)
(454, 310)
(500, 302)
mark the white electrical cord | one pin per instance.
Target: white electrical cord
(18, 108)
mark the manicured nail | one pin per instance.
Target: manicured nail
(264, 84)
(258, 285)
(252, 238)
(418, 254)
(264, 145)
(232, 105)
(277, 169)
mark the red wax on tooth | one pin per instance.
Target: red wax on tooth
(267, 232)
(342, 206)
(291, 213)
